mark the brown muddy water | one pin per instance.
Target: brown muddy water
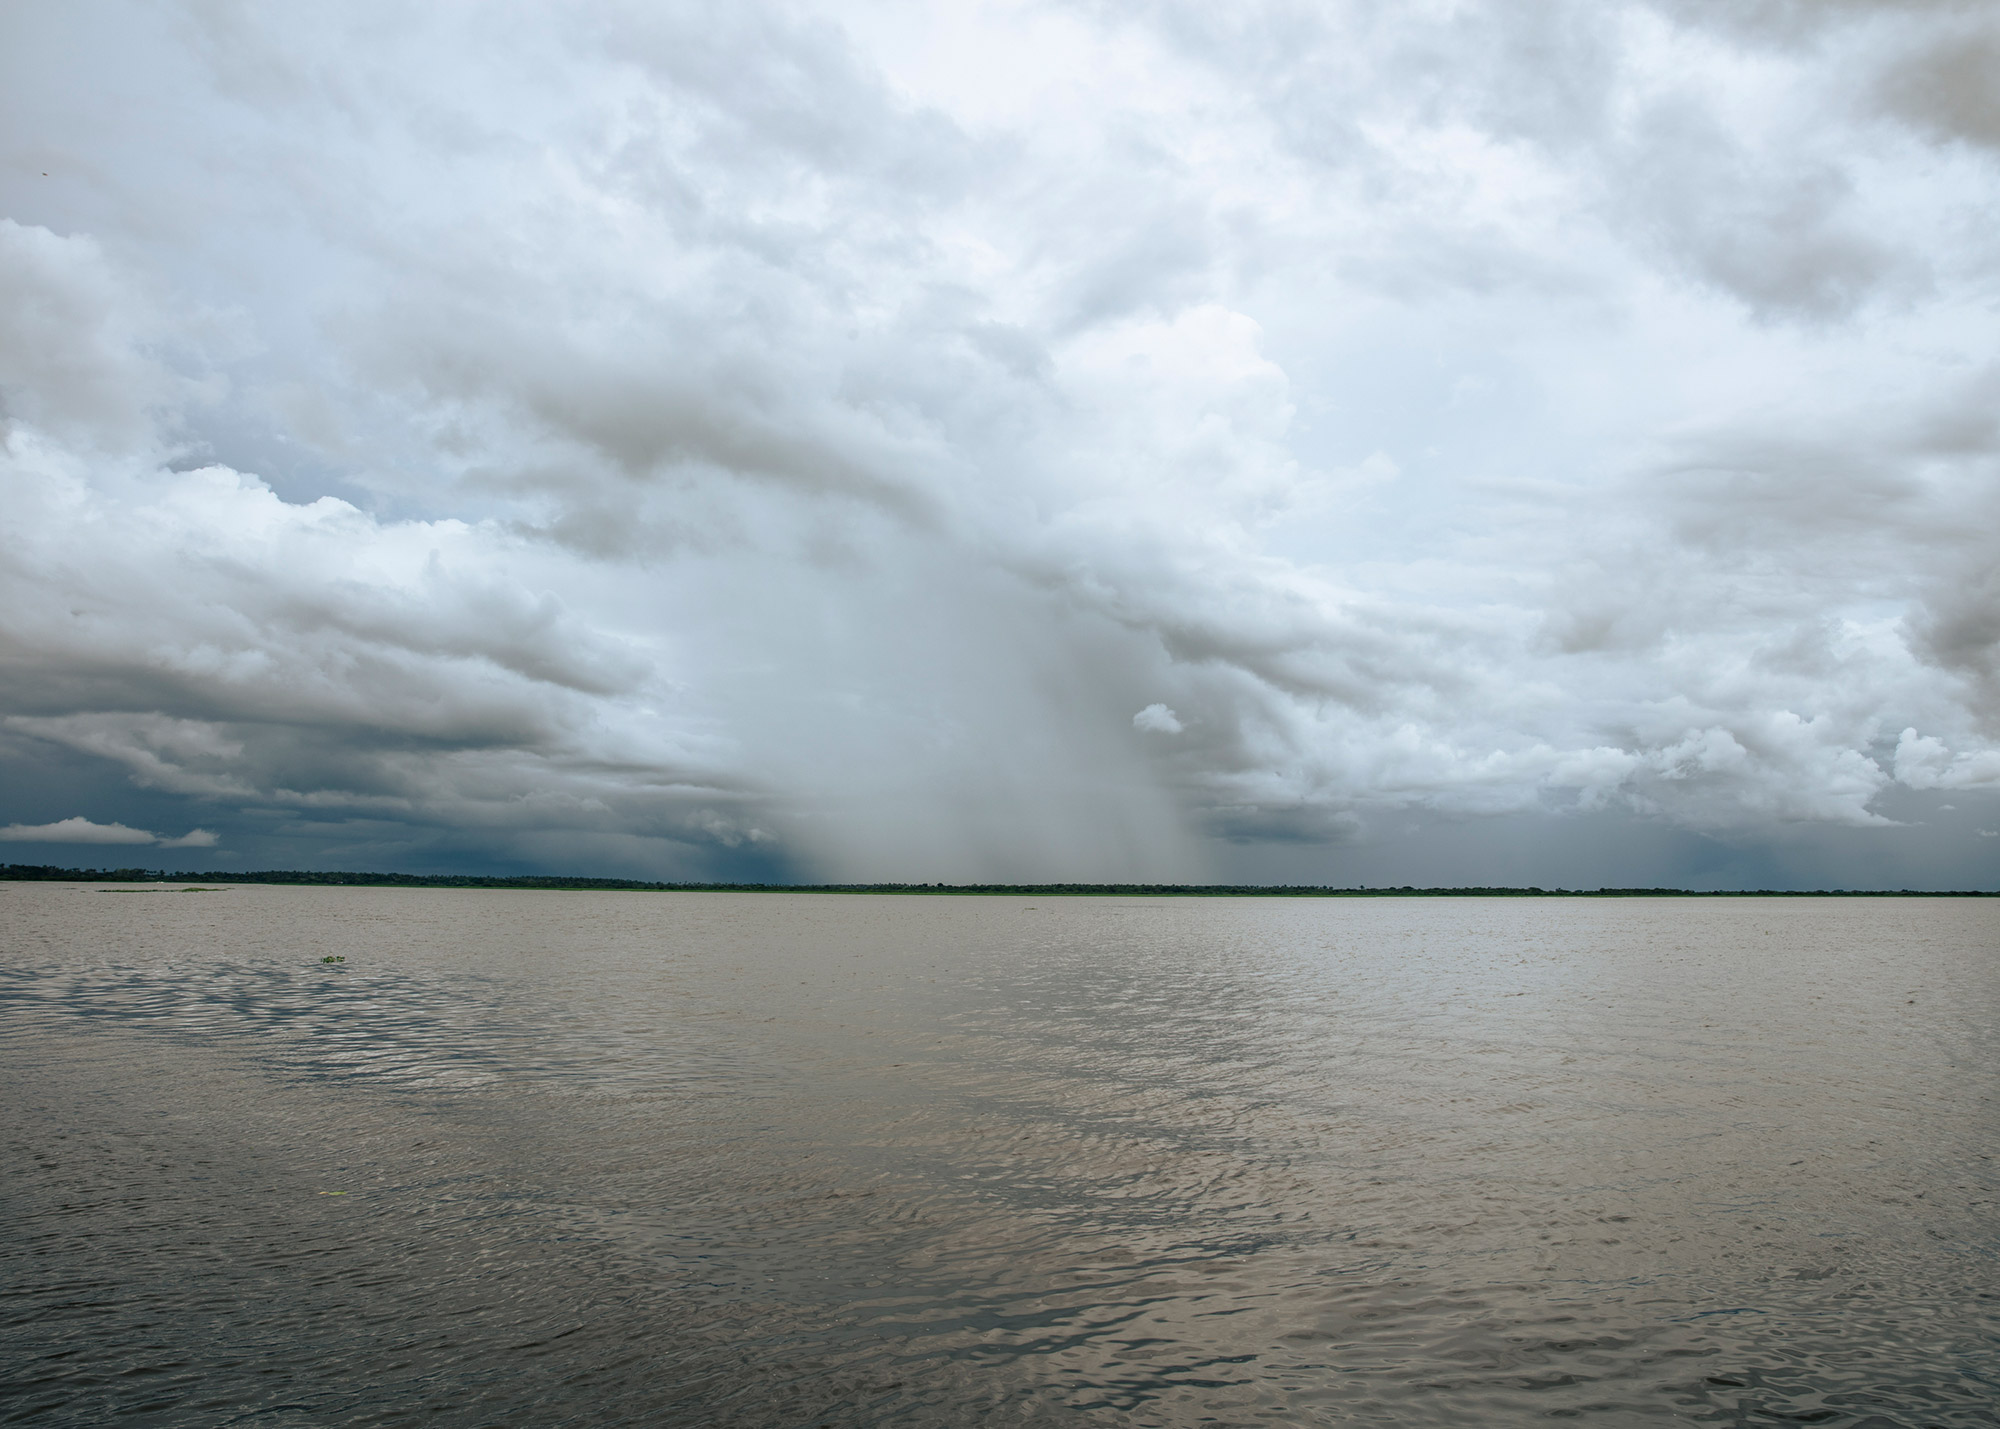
(601, 1158)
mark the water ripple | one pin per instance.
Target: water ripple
(723, 1159)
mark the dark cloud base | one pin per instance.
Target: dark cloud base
(1935, 844)
(42, 784)
(1931, 847)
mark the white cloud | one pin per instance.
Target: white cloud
(77, 830)
(1923, 762)
(1157, 719)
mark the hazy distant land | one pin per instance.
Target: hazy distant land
(42, 873)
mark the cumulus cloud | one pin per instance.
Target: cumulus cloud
(79, 830)
(797, 441)
(1923, 762)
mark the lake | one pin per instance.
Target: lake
(532, 1158)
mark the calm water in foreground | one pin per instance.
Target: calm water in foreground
(586, 1158)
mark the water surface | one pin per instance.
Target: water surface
(548, 1158)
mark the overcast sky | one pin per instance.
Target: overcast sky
(1527, 442)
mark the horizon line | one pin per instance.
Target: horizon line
(48, 873)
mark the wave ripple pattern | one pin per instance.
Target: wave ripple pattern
(560, 1158)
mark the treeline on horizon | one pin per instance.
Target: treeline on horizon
(42, 873)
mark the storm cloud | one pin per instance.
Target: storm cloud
(1324, 443)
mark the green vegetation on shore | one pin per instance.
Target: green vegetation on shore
(39, 873)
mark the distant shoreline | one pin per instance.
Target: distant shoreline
(38, 873)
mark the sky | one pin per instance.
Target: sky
(1552, 442)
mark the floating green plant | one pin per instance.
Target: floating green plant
(331, 959)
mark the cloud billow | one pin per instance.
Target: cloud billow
(79, 830)
(797, 443)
